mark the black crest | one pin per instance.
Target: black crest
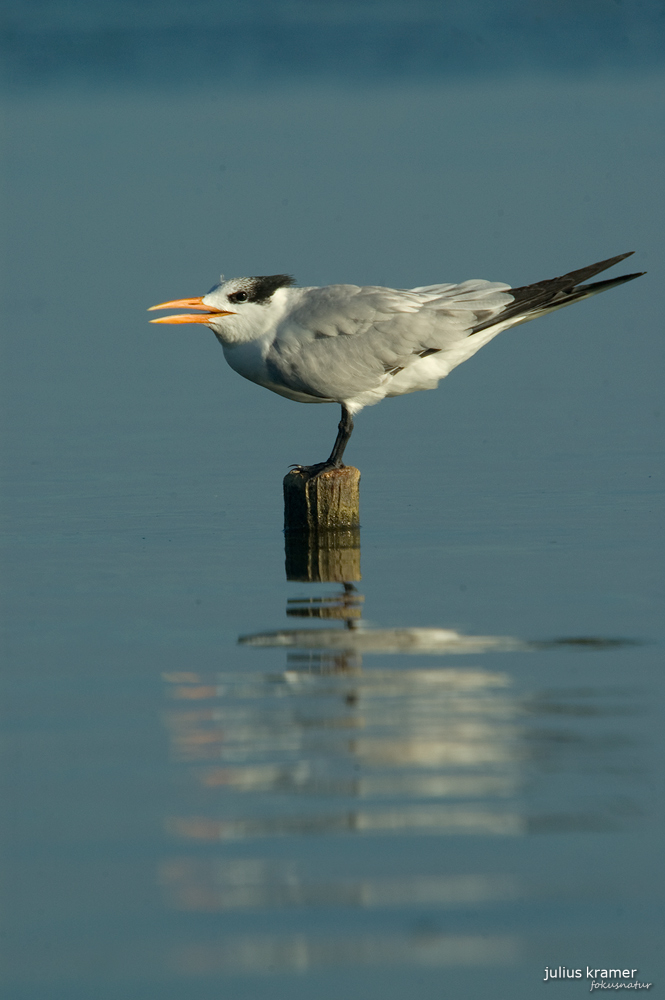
(263, 287)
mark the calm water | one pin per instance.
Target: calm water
(446, 775)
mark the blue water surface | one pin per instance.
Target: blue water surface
(467, 788)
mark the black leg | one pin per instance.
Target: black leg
(344, 429)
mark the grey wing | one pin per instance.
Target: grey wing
(343, 340)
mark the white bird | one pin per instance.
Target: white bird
(356, 345)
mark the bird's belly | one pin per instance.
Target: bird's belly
(249, 361)
(283, 390)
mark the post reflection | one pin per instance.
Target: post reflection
(330, 747)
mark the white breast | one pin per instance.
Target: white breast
(249, 360)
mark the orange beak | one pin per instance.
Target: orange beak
(207, 311)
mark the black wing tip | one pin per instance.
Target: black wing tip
(583, 273)
(613, 260)
(622, 256)
(570, 280)
(622, 277)
(582, 290)
(543, 296)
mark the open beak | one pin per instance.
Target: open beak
(206, 311)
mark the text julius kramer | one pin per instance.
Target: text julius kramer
(562, 972)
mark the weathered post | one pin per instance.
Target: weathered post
(329, 501)
(322, 525)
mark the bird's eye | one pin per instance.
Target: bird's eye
(238, 297)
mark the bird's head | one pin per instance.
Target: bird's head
(237, 310)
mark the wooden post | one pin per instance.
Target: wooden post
(328, 502)
(321, 522)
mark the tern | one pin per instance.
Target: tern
(355, 345)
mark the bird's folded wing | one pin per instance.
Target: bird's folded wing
(344, 339)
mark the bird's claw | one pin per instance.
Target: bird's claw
(316, 470)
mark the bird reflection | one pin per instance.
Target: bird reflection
(330, 747)
(245, 883)
(326, 748)
(283, 952)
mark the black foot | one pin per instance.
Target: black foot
(316, 470)
(334, 460)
